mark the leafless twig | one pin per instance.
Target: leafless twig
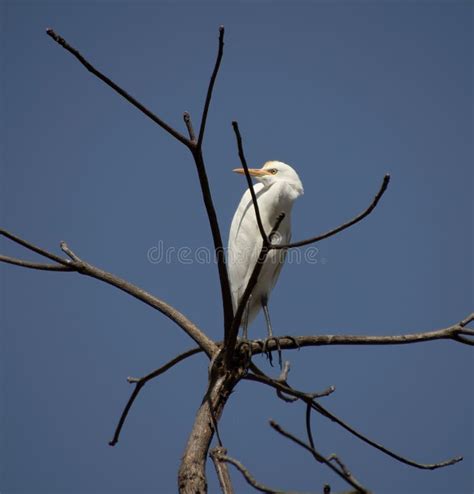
(311, 240)
(193, 145)
(141, 381)
(221, 469)
(261, 377)
(78, 265)
(248, 477)
(231, 336)
(342, 471)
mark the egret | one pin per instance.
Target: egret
(277, 188)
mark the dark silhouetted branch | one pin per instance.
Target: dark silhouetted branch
(141, 381)
(344, 226)
(248, 477)
(243, 161)
(342, 471)
(231, 337)
(189, 126)
(311, 240)
(195, 148)
(61, 41)
(207, 103)
(261, 377)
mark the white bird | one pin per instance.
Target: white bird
(279, 186)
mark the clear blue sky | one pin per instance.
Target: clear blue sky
(344, 92)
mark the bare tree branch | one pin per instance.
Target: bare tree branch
(34, 248)
(243, 161)
(211, 86)
(221, 469)
(231, 336)
(189, 126)
(61, 41)
(344, 226)
(341, 471)
(192, 145)
(78, 265)
(311, 240)
(248, 477)
(261, 377)
(141, 381)
(34, 265)
(450, 333)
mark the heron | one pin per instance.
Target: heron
(277, 188)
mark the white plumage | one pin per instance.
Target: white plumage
(279, 186)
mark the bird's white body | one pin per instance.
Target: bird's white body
(278, 188)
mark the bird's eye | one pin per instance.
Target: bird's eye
(273, 171)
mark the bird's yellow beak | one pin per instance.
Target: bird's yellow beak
(255, 172)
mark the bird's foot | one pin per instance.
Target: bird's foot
(268, 352)
(244, 348)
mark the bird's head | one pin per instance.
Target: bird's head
(273, 172)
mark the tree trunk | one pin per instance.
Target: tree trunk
(192, 471)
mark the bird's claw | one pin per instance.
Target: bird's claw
(244, 347)
(268, 352)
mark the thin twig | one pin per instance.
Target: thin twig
(240, 147)
(344, 226)
(140, 382)
(343, 473)
(34, 248)
(311, 240)
(211, 87)
(259, 376)
(249, 478)
(221, 469)
(61, 41)
(194, 147)
(231, 337)
(189, 126)
(35, 265)
(78, 265)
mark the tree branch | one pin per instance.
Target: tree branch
(231, 336)
(311, 240)
(34, 265)
(243, 161)
(78, 265)
(189, 126)
(194, 147)
(296, 342)
(248, 477)
(259, 376)
(225, 482)
(61, 41)
(140, 382)
(341, 471)
(211, 86)
(344, 226)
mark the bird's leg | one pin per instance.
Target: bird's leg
(270, 335)
(246, 319)
(244, 340)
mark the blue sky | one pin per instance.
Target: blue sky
(344, 92)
